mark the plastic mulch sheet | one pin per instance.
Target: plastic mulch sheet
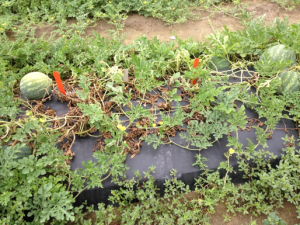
(168, 157)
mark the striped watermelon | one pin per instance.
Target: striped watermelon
(35, 85)
(278, 54)
(219, 63)
(290, 82)
(23, 151)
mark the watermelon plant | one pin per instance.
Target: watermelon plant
(36, 85)
(42, 185)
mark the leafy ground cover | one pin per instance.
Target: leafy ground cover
(42, 185)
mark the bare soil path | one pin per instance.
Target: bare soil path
(137, 25)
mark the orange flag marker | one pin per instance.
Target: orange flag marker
(196, 63)
(59, 83)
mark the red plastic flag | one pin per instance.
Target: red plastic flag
(196, 63)
(59, 83)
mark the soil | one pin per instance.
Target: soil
(287, 213)
(137, 25)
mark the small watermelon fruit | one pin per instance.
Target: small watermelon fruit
(36, 85)
(219, 63)
(23, 152)
(278, 54)
(290, 82)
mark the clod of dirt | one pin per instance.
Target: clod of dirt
(164, 106)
